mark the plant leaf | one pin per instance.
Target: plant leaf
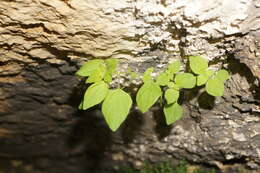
(198, 64)
(108, 77)
(222, 75)
(203, 78)
(172, 112)
(147, 75)
(89, 67)
(97, 75)
(170, 84)
(171, 96)
(173, 86)
(111, 65)
(163, 79)
(185, 80)
(174, 67)
(215, 87)
(81, 105)
(115, 108)
(147, 95)
(95, 94)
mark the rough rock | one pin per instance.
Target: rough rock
(42, 44)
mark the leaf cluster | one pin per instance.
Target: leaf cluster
(116, 103)
(214, 80)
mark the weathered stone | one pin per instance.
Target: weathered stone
(42, 44)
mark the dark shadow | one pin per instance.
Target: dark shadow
(206, 101)
(235, 66)
(48, 98)
(87, 136)
(187, 95)
(161, 128)
(132, 126)
(134, 122)
(91, 137)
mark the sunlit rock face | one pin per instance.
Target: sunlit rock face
(125, 30)
(43, 42)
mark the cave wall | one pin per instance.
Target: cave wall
(43, 43)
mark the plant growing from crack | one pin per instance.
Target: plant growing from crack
(116, 103)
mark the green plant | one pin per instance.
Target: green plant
(164, 167)
(204, 171)
(116, 103)
(242, 170)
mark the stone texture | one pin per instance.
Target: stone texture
(123, 30)
(42, 44)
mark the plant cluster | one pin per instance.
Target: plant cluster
(116, 103)
(164, 167)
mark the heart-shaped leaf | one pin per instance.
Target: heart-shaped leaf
(174, 67)
(185, 80)
(222, 75)
(163, 79)
(147, 95)
(215, 87)
(94, 95)
(116, 107)
(171, 96)
(97, 75)
(172, 112)
(198, 64)
(89, 67)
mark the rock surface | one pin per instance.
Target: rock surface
(42, 44)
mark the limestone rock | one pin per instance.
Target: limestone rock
(43, 42)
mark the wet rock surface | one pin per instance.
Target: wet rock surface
(42, 44)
